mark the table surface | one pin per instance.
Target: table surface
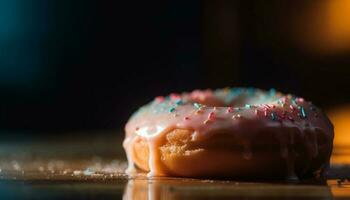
(91, 166)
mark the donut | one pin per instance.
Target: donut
(243, 133)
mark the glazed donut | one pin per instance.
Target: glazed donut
(241, 133)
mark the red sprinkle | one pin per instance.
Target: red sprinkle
(229, 109)
(187, 118)
(137, 128)
(211, 116)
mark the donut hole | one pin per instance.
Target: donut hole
(178, 142)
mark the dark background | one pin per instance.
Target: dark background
(87, 65)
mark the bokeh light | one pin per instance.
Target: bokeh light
(340, 118)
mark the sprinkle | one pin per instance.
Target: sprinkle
(265, 113)
(211, 116)
(291, 107)
(267, 106)
(256, 111)
(229, 109)
(160, 99)
(237, 108)
(247, 106)
(187, 118)
(301, 100)
(302, 112)
(273, 116)
(214, 108)
(179, 102)
(206, 121)
(273, 106)
(172, 109)
(294, 102)
(137, 128)
(238, 116)
(197, 105)
(176, 115)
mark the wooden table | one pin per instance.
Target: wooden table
(81, 165)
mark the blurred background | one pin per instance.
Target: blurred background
(79, 65)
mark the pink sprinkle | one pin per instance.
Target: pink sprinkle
(187, 118)
(265, 113)
(291, 107)
(229, 109)
(256, 111)
(160, 98)
(301, 100)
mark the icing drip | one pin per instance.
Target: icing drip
(244, 112)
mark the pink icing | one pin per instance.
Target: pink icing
(244, 111)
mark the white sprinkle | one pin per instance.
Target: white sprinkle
(88, 172)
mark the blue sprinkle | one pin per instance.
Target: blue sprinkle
(302, 112)
(179, 102)
(172, 109)
(273, 116)
(197, 105)
(247, 106)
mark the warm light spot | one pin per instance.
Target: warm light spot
(339, 191)
(340, 118)
(325, 26)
